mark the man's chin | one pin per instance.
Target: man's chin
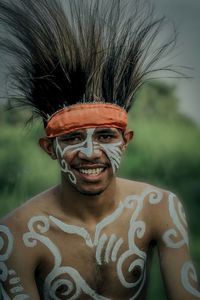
(90, 192)
(90, 189)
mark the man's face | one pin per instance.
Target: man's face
(89, 158)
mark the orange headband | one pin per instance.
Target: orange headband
(89, 115)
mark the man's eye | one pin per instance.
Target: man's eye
(73, 140)
(105, 138)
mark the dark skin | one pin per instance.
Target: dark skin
(96, 197)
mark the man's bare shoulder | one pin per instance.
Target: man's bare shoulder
(40, 204)
(158, 205)
(138, 187)
(161, 210)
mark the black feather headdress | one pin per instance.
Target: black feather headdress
(75, 51)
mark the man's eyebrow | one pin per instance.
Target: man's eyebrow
(70, 134)
(105, 130)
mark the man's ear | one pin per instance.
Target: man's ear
(47, 145)
(127, 136)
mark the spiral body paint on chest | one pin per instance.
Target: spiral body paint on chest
(88, 147)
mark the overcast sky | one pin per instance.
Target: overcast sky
(186, 15)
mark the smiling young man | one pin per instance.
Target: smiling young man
(92, 236)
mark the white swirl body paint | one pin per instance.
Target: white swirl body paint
(178, 217)
(176, 238)
(16, 289)
(188, 274)
(87, 147)
(107, 249)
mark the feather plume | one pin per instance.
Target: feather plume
(71, 51)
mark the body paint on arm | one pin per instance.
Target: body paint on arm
(9, 275)
(176, 238)
(189, 276)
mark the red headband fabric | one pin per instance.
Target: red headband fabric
(86, 115)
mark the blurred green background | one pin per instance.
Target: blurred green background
(165, 152)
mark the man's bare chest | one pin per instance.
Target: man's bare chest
(82, 264)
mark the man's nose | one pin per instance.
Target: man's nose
(89, 150)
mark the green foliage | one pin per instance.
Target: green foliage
(164, 152)
(25, 169)
(156, 99)
(13, 116)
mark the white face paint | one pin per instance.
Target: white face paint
(107, 249)
(88, 147)
(9, 275)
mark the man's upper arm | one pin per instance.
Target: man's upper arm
(176, 265)
(16, 268)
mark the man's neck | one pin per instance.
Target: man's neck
(88, 208)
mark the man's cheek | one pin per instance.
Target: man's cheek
(63, 158)
(114, 154)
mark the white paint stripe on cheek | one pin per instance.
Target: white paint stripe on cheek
(63, 163)
(114, 154)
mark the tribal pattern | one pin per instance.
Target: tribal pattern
(177, 237)
(16, 290)
(76, 285)
(87, 147)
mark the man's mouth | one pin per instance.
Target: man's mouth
(90, 171)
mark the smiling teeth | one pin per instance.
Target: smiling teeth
(91, 171)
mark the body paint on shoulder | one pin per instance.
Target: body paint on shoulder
(6, 274)
(176, 237)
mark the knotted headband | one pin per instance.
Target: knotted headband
(86, 115)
